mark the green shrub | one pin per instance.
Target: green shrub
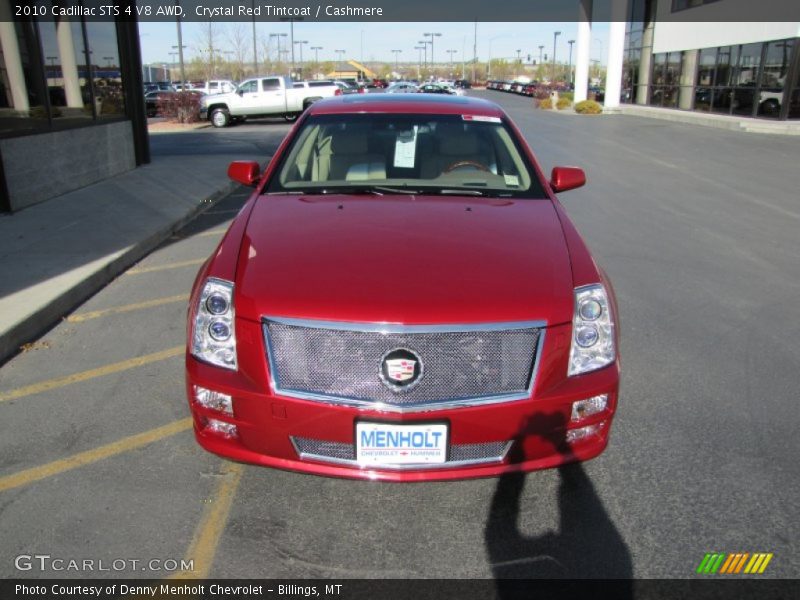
(546, 103)
(563, 103)
(588, 107)
(568, 95)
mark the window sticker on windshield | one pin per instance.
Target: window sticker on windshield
(483, 118)
(405, 148)
(511, 180)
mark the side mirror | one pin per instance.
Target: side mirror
(567, 178)
(240, 92)
(247, 172)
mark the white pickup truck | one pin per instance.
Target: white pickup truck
(264, 97)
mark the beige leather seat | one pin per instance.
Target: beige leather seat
(347, 158)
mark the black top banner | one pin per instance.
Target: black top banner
(409, 10)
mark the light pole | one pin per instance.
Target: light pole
(519, 60)
(599, 41)
(341, 53)
(180, 47)
(555, 37)
(291, 34)
(300, 43)
(451, 52)
(279, 36)
(489, 65)
(432, 35)
(570, 42)
(316, 50)
(419, 61)
(396, 53)
(255, 50)
(425, 55)
(540, 53)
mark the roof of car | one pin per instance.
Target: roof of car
(406, 103)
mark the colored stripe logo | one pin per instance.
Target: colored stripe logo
(734, 563)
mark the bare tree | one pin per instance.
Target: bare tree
(239, 41)
(207, 46)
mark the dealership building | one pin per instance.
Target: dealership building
(688, 55)
(71, 104)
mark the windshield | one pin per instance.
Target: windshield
(406, 153)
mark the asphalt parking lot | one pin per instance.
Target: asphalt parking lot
(697, 229)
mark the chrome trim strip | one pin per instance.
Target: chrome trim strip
(400, 328)
(364, 467)
(433, 405)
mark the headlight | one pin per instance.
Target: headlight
(213, 338)
(592, 331)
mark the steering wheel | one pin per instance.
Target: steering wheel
(466, 163)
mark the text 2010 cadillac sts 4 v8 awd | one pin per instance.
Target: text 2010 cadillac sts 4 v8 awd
(403, 298)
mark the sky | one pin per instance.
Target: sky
(502, 40)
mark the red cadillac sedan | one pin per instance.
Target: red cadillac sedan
(403, 298)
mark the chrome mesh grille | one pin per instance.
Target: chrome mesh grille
(342, 452)
(345, 363)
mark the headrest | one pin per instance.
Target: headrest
(349, 143)
(458, 143)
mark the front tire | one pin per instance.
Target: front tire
(220, 117)
(770, 107)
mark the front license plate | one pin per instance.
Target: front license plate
(387, 444)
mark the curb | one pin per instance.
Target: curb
(36, 324)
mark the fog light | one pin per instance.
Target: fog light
(213, 400)
(576, 435)
(591, 406)
(226, 430)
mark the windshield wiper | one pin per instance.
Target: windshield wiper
(371, 190)
(461, 192)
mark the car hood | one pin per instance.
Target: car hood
(404, 259)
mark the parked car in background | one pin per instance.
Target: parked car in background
(155, 86)
(402, 87)
(151, 100)
(464, 84)
(347, 87)
(435, 88)
(217, 86)
(403, 298)
(263, 97)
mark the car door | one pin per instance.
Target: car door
(274, 96)
(250, 98)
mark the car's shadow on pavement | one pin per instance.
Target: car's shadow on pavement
(587, 544)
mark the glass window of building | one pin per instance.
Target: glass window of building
(745, 79)
(794, 96)
(104, 68)
(774, 71)
(23, 103)
(63, 50)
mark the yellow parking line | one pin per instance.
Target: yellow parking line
(175, 265)
(80, 317)
(90, 456)
(212, 525)
(50, 384)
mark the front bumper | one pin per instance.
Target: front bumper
(530, 433)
